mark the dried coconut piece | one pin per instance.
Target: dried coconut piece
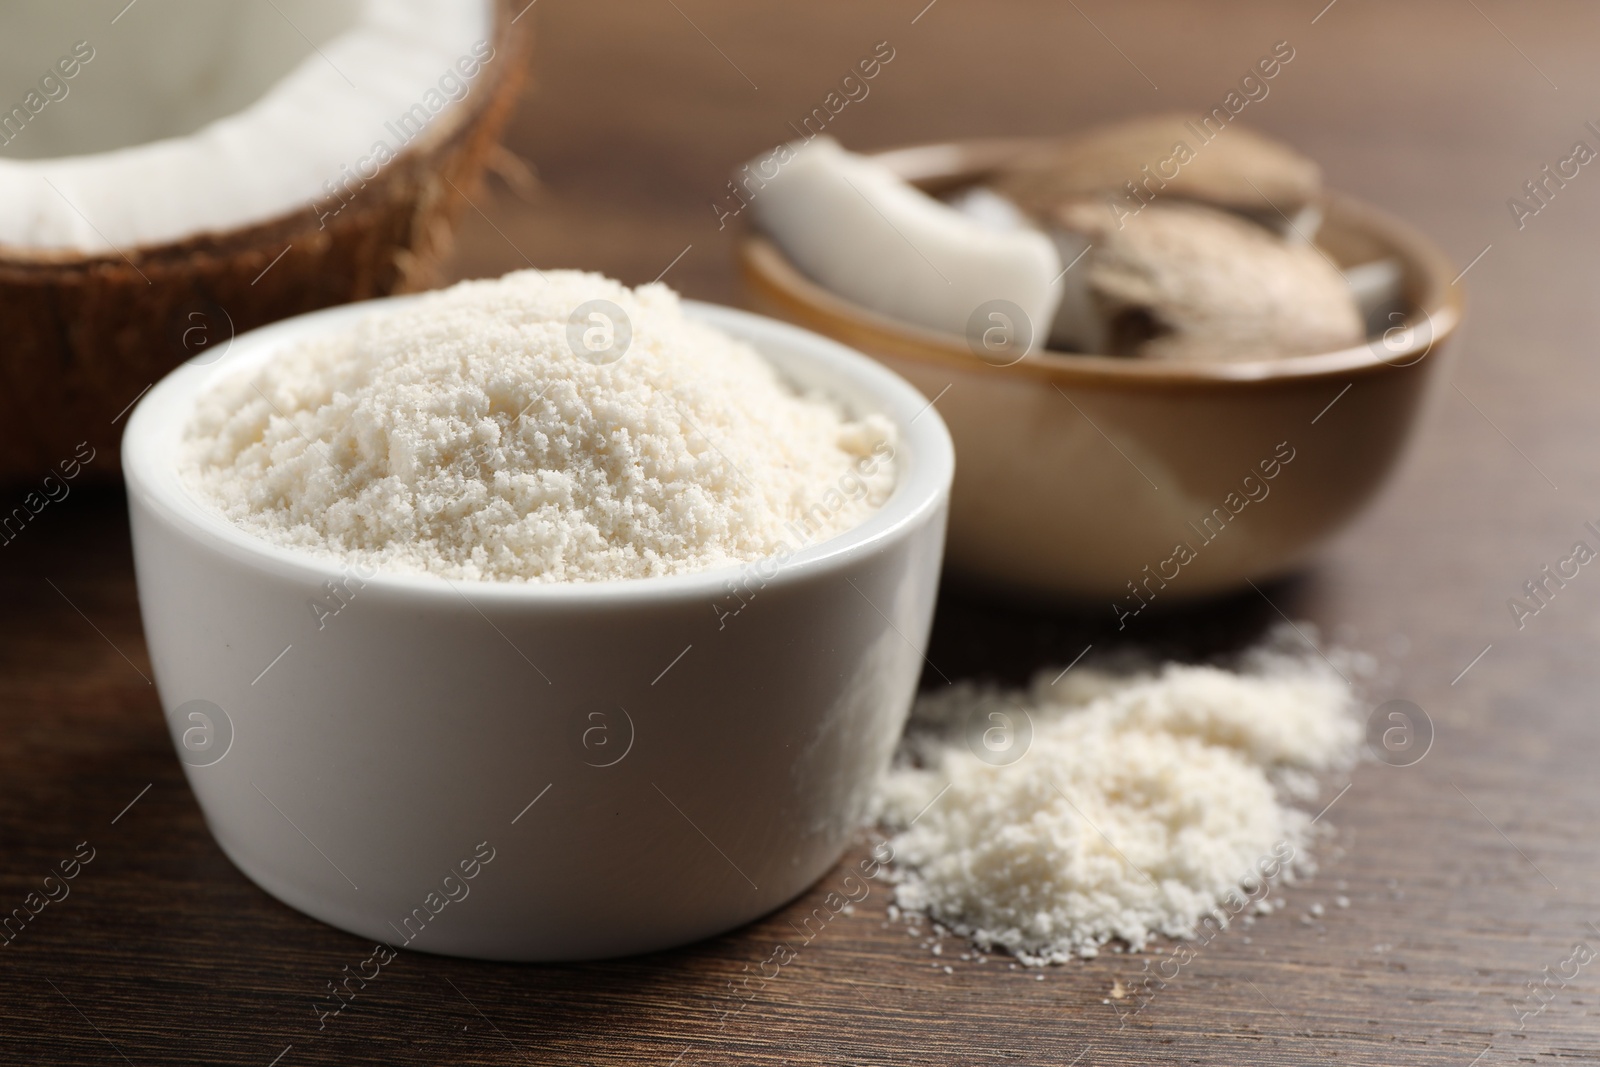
(1186, 282)
(1164, 156)
(867, 234)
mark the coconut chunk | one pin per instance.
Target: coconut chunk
(1167, 156)
(1186, 282)
(864, 232)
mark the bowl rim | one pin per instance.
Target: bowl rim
(925, 463)
(1429, 275)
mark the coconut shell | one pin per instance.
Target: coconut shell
(1235, 170)
(85, 335)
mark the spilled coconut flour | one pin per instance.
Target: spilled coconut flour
(462, 436)
(1144, 802)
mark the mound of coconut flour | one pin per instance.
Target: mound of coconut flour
(462, 436)
(1142, 804)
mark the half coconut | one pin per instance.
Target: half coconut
(173, 172)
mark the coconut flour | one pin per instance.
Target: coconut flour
(1111, 806)
(467, 436)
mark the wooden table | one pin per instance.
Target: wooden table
(1467, 874)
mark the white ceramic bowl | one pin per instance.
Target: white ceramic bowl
(536, 772)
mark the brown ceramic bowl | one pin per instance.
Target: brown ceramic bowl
(1136, 479)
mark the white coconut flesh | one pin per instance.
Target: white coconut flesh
(862, 231)
(188, 117)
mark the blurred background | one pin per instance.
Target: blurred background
(1437, 111)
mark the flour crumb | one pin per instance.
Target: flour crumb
(463, 436)
(1144, 804)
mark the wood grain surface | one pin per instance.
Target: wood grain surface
(1467, 875)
